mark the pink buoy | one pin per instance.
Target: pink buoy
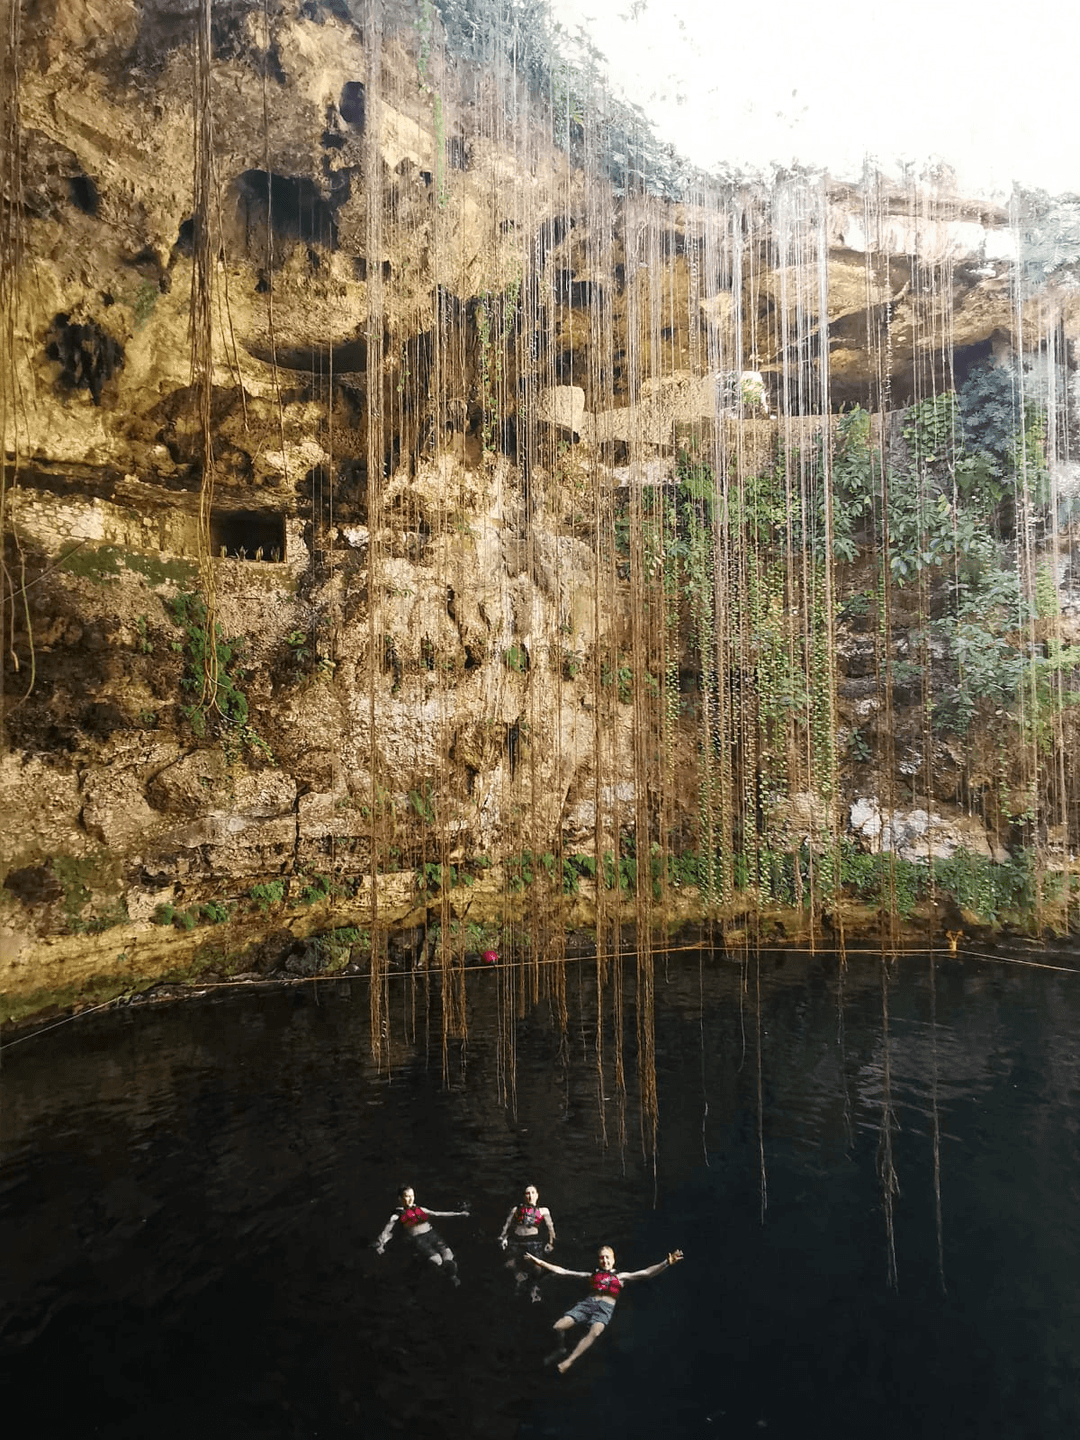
(490, 957)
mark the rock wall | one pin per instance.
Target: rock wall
(450, 355)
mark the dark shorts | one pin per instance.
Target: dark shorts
(431, 1243)
(591, 1311)
(526, 1245)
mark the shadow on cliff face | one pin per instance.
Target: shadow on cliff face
(291, 208)
(67, 673)
(88, 355)
(166, 26)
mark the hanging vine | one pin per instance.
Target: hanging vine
(204, 265)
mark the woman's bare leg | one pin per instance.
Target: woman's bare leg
(583, 1344)
(444, 1259)
(561, 1326)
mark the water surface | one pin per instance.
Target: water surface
(189, 1194)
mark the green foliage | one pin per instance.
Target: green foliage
(983, 635)
(516, 658)
(472, 935)
(944, 490)
(213, 673)
(859, 747)
(696, 480)
(520, 870)
(316, 887)
(924, 534)
(616, 670)
(1050, 236)
(989, 670)
(433, 877)
(170, 915)
(1005, 435)
(1046, 594)
(560, 71)
(569, 664)
(1050, 685)
(305, 654)
(887, 880)
(932, 430)
(620, 529)
(622, 874)
(268, 894)
(977, 884)
(112, 913)
(422, 802)
(335, 947)
(792, 877)
(482, 935)
(574, 867)
(525, 869)
(78, 877)
(658, 517)
(763, 506)
(73, 875)
(989, 407)
(987, 889)
(855, 469)
(424, 27)
(190, 614)
(925, 525)
(685, 869)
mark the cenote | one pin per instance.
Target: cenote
(191, 1191)
(459, 558)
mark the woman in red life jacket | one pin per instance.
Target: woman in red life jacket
(521, 1232)
(415, 1223)
(597, 1308)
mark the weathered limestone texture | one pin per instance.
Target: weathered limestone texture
(454, 351)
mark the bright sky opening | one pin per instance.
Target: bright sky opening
(989, 92)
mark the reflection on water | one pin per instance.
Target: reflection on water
(189, 1195)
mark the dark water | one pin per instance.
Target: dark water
(189, 1195)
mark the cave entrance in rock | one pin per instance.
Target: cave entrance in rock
(248, 535)
(294, 209)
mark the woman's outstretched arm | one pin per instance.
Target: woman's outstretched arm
(445, 1214)
(557, 1269)
(672, 1259)
(387, 1233)
(506, 1227)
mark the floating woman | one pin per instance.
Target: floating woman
(526, 1220)
(415, 1222)
(597, 1308)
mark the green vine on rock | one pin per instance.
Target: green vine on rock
(223, 703)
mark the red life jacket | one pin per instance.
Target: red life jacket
(528, 1215)
(605, 1282)
(413, 1216)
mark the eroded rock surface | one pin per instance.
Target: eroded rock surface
(452, 369)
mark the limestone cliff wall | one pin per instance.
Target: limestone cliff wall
(450, 355)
